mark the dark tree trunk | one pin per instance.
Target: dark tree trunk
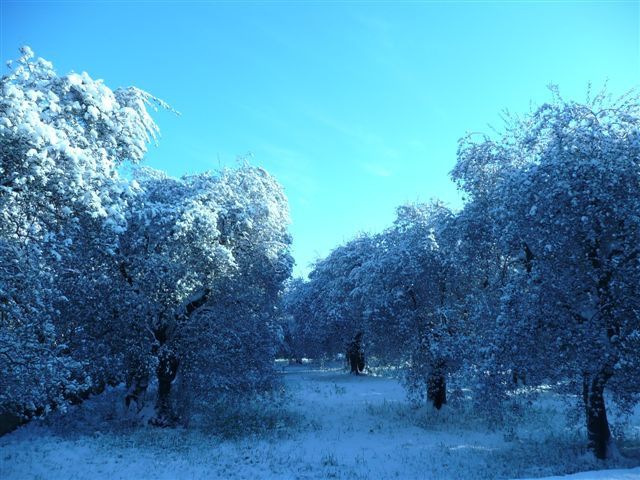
(599, 435)
(355, 355)
(437, 386)
(598, 432)
(361, 362)
(353, 363)
(137, 387)
(519, 376)
(437, 390)
(166, 372)
(168, 361)
(356, 362)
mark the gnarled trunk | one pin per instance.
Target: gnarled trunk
(598, 432)
(356, 362)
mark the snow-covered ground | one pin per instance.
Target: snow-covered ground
(334, 426)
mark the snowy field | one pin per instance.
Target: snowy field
(333, 425)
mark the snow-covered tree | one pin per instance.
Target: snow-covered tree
(296, 323)
(170, 255)
(105, 277)
(331, 299)
(231, 344)
(62, 139)
(566, 208)
(411, 295)
(204, 258)
(483, 269)
(398, 290)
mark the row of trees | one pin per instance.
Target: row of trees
(143, 278)
(106, 278)
(537, 277)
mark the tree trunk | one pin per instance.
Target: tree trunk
(166, 372)
(352, 363)
(599, 435)
(136, 389)
(168, 361)
(437, 390)
(356, 362)
(519, 376)
(437, 386)
(355, 355)
(361, 362)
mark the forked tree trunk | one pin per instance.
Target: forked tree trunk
(437, 386)
(598, 432)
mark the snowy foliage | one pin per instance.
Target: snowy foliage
(105, 278)
(61, 141)
(399, 288)
(337, 312)
(229, 345)
(179, 283)
(412, 307)
(535, 280)
(203, 263)
(35, 368)
(565, 207)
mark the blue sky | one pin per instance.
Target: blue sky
(356, 107)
